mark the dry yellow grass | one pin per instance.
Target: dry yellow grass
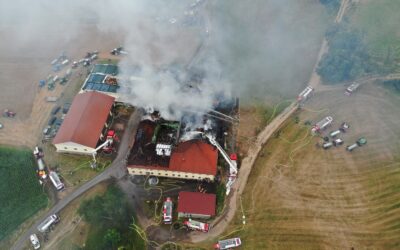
(300, 196)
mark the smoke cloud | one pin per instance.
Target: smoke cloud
(252, 48)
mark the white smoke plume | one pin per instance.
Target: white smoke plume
(252, 47)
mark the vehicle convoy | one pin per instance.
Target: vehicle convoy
(228, 244)
(351, 89)
(167, 211)
(321, 125)
(56, 180)
(305, 94)
(197, 225)
(35, 241)
(47, 223)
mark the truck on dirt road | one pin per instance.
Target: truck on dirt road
(47, 223)
(305, 94)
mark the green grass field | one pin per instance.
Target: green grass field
(21, 195)
(379, 20)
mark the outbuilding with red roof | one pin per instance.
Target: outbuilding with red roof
(85, 123)
(196, 205)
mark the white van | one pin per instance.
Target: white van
(35, 241)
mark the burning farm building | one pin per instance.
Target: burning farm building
(159, 152)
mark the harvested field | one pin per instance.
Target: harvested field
(300, 196)
(19, 199)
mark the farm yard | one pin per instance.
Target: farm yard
(300, 196)
(19, 199)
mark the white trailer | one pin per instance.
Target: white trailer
(228, 244)
(45, 225)
(305, 94)
(327, 145)
(56, 180)
(352, 147)
(333, 134)
(321, 125)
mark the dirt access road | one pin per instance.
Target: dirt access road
(116, 170)
(222, 221)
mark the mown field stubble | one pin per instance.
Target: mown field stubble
(300, 196)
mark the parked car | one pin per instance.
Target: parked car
(55, 110)
(52, 120)
(58, 122)
(47, 130)
(66, 107)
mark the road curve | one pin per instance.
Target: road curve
(116, 169)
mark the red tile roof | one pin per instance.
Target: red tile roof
(196, 203)
(191, 157)
(85, 119)
(194, 157)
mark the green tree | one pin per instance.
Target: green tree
(112, 238)
(348, 57)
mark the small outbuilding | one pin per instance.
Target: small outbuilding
(85, 124)
(196, 205)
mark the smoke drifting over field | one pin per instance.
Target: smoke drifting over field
(251, 47)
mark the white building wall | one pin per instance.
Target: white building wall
(188, 215)
(73, 148)
(169, 174)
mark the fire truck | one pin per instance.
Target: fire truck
(321, 125)
(351, 89)
(197, 225)
(107, 146)
(228, 244)
(167, 211)
(305, 94)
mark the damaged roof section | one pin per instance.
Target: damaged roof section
(156, 147)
